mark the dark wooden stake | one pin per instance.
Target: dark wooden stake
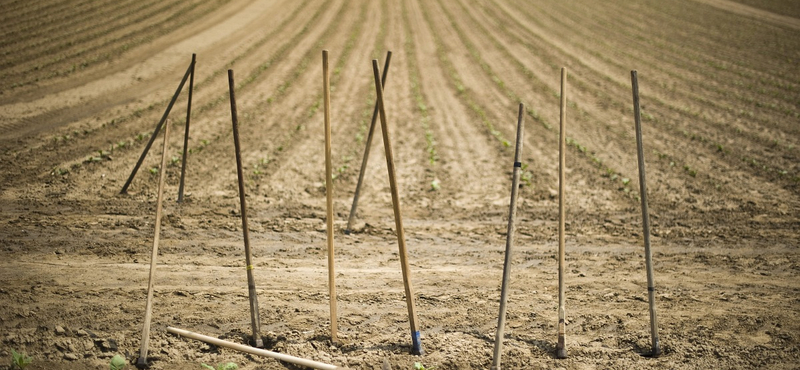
(648, 258)
(186, 134)
(148, 311)
(512, 211)
(367, 149)
(155, 132)
(561, 350)
(255, 324)
(326, 85)
(416, 344)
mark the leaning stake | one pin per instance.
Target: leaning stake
(648, 258)
(254, 351)
(186, 134)
(367, 149)
(148, 311)
(512, 211)
(561, 350)
(416, 344)
(326, 85)
(155, 132)
(251, 283)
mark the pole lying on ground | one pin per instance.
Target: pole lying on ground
(367, 149)
(251, 283)
(651, 290)
(512, 211)
(155, 132)
(416, 344)
(186, 134)
(254, 351)
(326, 85)
(148, 311)
(561, 350)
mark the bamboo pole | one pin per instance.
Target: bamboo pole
(254, 351)
(326, 85)
(251, 283)
(561, 350)
(367, 149)
(155, 132)
(651, 290)
(416, 344)
(148, 311)
(186, 134)
(512, 211)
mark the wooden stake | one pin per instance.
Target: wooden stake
(561, 350)
(512, 211)
(254, 351)
(155, 132)
(367, 149)
(416, 344)
(186, 134)
(326, 85)
(255, 324)
(648, 259)
(148, 311)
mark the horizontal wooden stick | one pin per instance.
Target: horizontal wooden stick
(254, 351)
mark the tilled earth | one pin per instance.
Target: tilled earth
(84, 83)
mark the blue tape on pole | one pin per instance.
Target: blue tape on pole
(416, 343)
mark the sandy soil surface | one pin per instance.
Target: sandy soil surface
(83, 84)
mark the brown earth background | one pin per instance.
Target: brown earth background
(83, 83)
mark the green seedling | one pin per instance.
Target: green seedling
(154, 171)
(117, 363)
(19, 360)
(435, 185)
(626, 181)
(221, 366)
(420, 366)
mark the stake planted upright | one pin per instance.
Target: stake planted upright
(326, 85)
(512, 211)
(648, 258)
(255, 324)
(416, 344)
(186, 133)
(157, 129)
(561, 350)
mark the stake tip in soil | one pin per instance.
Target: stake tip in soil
(561, 353)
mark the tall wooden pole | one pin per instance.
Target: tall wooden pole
(326, 85)
(255, 324)
(416, 344)
(512, 211)
(186, 134)
(148, 311)
(648, 258)
(561, 350)
(155, 132)
(367, 149)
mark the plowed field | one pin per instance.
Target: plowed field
(83, 84)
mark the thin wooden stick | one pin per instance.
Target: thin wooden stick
(416, 344)
(367, 149)
(512, 211)
(326, 85)
(561, 350)
(148, 311)
(155, 132)
(186, 134)
(255, 324)
(254, 351)
(648, 259)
